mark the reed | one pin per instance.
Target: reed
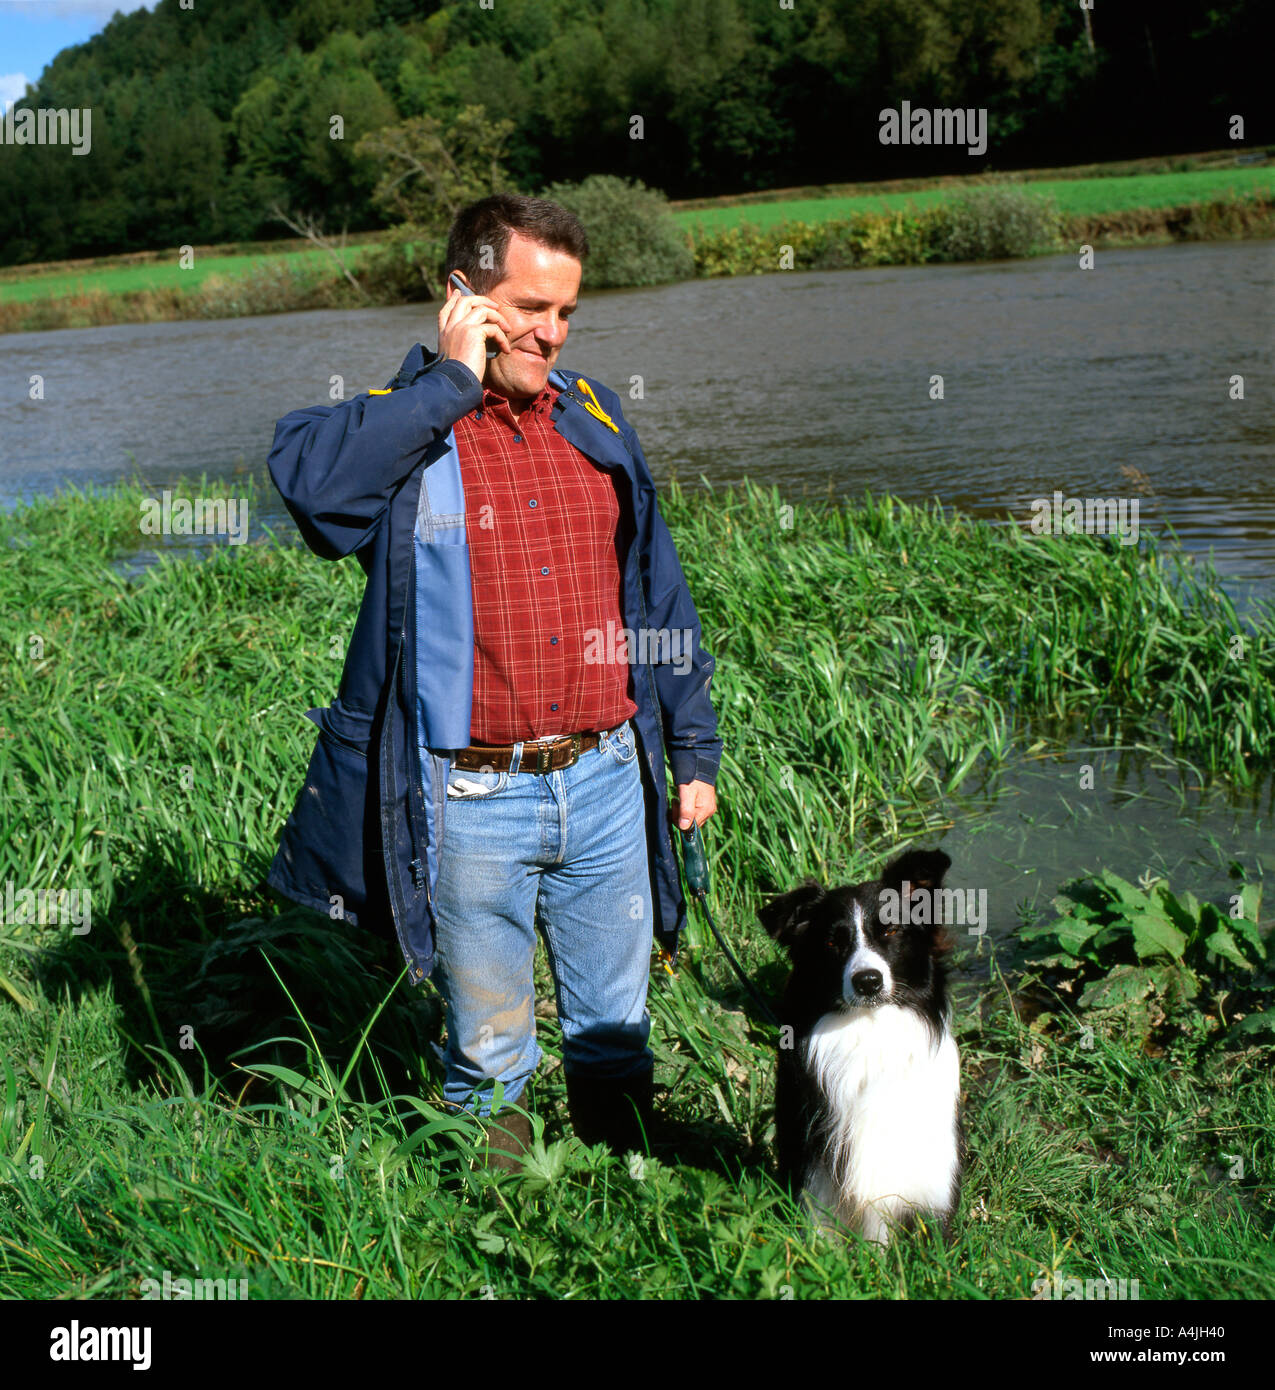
(186, 1088)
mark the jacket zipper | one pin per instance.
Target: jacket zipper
(659, 720)
(650, 675)
(419, 870)
(420, 877)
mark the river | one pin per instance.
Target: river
(1111, 382)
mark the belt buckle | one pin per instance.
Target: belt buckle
(545, 751)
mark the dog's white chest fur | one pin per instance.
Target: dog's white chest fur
(892, 1097)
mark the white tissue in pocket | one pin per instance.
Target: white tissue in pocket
(462, 786)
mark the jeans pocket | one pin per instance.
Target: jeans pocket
(465, 784)
(620, 745)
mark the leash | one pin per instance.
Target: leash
(696, 867)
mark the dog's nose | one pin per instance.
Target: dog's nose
(866, 982)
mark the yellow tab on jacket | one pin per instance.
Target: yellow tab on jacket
(386, 392)
(595, 409)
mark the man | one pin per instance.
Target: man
(494, 758)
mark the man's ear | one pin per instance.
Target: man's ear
(788, 916)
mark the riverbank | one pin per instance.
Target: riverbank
(900, 223)
(881, 655)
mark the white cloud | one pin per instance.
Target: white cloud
(12, 85)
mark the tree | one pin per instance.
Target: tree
(296, 128)
(429, 173)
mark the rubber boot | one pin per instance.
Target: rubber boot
(508, 1138)
(612, 1111)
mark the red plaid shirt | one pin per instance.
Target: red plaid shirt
(545, 551)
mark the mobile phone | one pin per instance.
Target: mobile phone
(464, 289)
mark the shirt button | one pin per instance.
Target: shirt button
(517, 439)
(544, 569)
(553, 706)
(553, 641)
(532, 503)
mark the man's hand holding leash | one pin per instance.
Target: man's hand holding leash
(696, 801)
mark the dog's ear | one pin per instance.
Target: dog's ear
(921, 869)
(790, 914)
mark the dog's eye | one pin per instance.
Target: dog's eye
(889, 931)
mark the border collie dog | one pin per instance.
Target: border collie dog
(868, 1082)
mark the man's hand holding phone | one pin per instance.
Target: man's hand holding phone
(471, 328)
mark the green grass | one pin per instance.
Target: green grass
(184, 1089)
(1075, 198)
(159, 274)
(1084, 1164)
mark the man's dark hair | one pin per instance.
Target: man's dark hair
(489, 221)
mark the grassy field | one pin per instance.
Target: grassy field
(135, 288)
(1075, 198)
(182, 1088)
(163, 274)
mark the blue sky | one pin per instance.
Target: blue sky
(33, 31)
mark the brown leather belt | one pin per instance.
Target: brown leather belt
(549, 756)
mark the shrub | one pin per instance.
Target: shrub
(753, 250)
(633, 239)
(1244, 214)
(402, 267)
(998, 222)
(273, 287)
(734, 251)
(1143, 961)
(898, 238)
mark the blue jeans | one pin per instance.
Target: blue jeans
(565, 850)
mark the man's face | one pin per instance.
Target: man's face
(538, 292)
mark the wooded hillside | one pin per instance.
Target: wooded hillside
(204, 118)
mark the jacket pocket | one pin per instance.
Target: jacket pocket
(343, 727)
(322, 852)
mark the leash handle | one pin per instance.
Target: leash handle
(696, 866)
(694, 862)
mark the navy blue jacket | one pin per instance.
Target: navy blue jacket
(378, 477)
